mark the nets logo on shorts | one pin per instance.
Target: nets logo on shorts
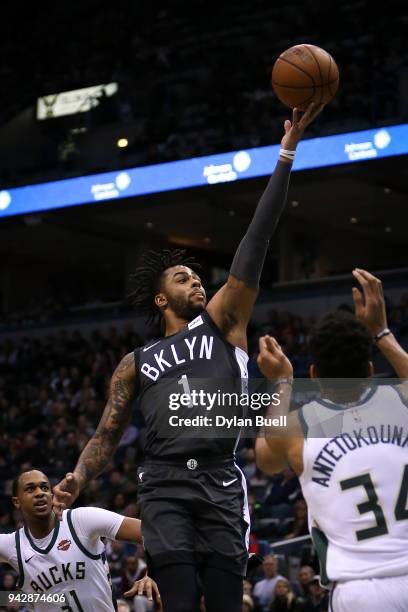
(64, 545)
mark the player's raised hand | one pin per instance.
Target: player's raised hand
(370, 309)
(272, 361)
(65, 493)
(294, 129)
(146, 586)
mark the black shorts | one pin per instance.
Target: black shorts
(197, 516)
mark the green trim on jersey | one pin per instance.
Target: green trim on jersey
(20, 580)
(321, 544)
(78, 541)
(50, 545)
(403, 399)
(333, 406)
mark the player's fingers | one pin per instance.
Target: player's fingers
(311, 113)
(361, 279)
(295, 116)
(273, 345)
(131, 592)
(149, 591)
(62, 496)
(58, 510)
(372, 280)
(368, 276)
(141, 589)
(156, 590)
(358, 300)
(287, 125)
(263, 347)
(368, 284)
(145, 588)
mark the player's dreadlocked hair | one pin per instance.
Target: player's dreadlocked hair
(146, 279)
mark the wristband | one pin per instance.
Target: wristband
(384, 332)
(284, 380)
(287, 154)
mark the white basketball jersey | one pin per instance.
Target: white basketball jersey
(355, 482)
(65, 566)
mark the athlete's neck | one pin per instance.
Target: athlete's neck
(173, 325)
(41, 527)
(344, 394)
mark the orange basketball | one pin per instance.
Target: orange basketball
(305, 74)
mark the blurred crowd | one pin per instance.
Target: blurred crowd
(52, 393)
(192, 85)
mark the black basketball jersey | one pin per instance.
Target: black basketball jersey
(195, 359)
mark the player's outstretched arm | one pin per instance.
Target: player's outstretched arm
(275, 449)
(371, 311)
(101, 447)
(231, 307)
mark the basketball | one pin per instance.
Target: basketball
(304, 74)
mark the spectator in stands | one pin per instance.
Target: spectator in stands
(299, 526)
(285, 600)
(284, 488)
(247, 603)
(134, 568)
(318, 598)
(306, 574)
(264, 590)
(248, 590)
(115, 556)
(9, 582)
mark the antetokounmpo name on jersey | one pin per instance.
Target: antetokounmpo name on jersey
(54, 575)
(197, 347)
(338, 447)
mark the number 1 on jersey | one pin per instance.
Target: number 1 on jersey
(77, 603)
(183, 381)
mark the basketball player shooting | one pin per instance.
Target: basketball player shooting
(66, 557)
(192, 496)
(355, 481)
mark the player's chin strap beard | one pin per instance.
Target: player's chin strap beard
(250, 256)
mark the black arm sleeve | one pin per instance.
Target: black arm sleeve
(250, 256)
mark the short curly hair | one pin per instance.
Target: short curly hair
(340, 346)
(16, 481)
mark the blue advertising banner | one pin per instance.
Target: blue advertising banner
(209, 170)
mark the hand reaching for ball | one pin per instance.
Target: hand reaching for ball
(294, 129)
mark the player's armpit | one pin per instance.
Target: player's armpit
(231, 309)
(130, 531)
(116, 417)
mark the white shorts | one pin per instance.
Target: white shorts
(374, 595)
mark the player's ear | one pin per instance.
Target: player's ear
(313, 371)
(161, 301)
(370, 369)
(16, 502)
